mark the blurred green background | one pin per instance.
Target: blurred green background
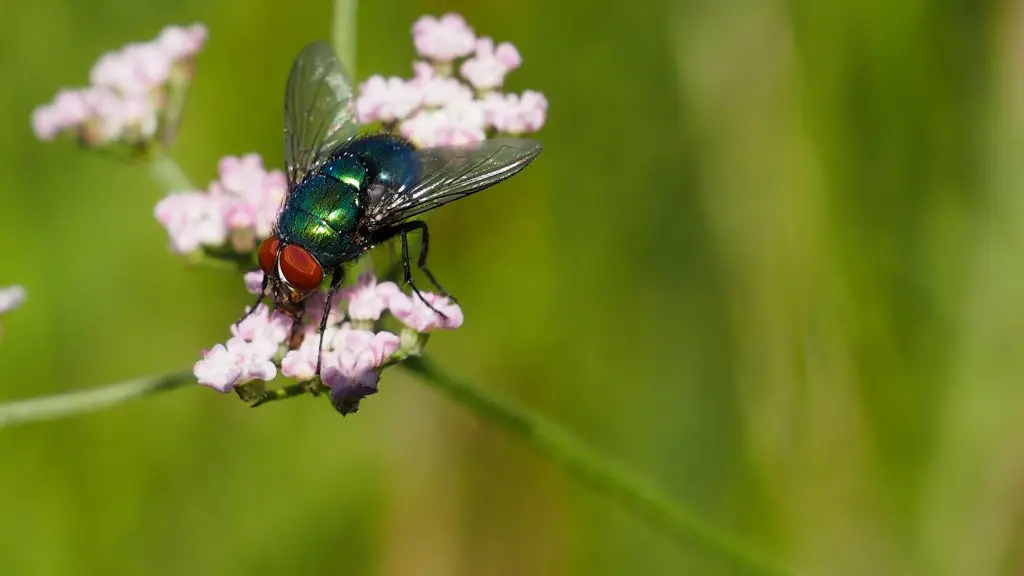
(771, 256)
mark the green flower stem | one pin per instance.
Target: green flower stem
(343, 32)
(594, 469)
(550, 440)
(85, 401)
(168, 174)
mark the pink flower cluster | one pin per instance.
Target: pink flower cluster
(129, 90)
(239, 207)
(437, 108)
(354, 348)
(11, 297)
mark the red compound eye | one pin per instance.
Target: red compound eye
(300, 268)
(268, 254)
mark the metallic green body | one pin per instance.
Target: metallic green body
(323, 212)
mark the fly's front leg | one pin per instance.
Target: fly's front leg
(315, 385)
(259, 300)
(336, 278)
(296, 336)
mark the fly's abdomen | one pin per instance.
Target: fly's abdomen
(323, 212)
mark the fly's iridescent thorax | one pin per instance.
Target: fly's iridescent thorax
(391, 162)
(322, 213)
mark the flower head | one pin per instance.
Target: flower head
(239, 207)
(416, 314)
(301, 362)
(387, 99)
(136, 69)
(251, 196)
(254, 282)
(368, 299)
(350, 371)
(134, 96)
(439, 90)
(437, 108)
(192, 219)
(262, 324)
(515, 114)
(487, 69)
(450, 126)
(182, 42)
(352, 350)
(238, 362)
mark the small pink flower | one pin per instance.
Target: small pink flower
(192, 220)
(465, 124)
(112, 70)
(107, 118)
(258, 364)
(301, 363)
(387, 99)
(72, 106)
(265, 325)
(224, 367)
(349, 371)
(239, 215)
(438, 90)
(242, 175)
(453, 125)
(314, 308)
(220, 368)
(368, 299)
(254, 282)
(67, 111)
(47, 122)
(151, 67)
(514, 114)
(351, 365)
(251, 195)
(139, 113)
(487, 69)
(443, 39)
(134, 70)
(414, 312)
(423, 128)
(384, 345)
(180, 43)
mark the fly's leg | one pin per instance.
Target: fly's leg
(259, 300)
(314, 386)
(421, 263)
(336, 278)
(402, 230)
(408, 275)
(295, 338)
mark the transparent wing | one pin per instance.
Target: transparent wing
(448, 173)
(319, 110)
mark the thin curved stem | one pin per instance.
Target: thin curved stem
(552, 441)
(169, 174)
(592, 468)
(92, 400)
